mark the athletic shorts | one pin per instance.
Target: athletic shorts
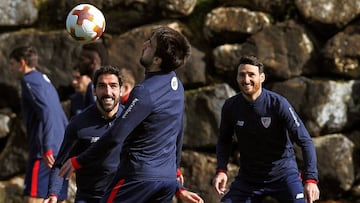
(141, 191)
(87, 200)
(285, 190)
(37, 180)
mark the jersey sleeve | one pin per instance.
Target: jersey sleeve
(43, 109)
(70, 140)
(224, 143)
(138, 107)
(179, 144)
(302, 138)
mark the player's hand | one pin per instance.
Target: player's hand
(312, 192)
(49, 160)
(180, 178)
(219, 183)
(190, 197)
(51, 199)
(66, 170)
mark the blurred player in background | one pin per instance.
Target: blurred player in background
(128, 84)
(92, 56)
(44, 119)
(80, 84)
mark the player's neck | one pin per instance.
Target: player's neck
(252, 97)
(110, 114)
(28, 69)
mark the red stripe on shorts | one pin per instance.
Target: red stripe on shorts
(115, 190)
(34, 178)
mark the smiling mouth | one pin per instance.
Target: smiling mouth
(108, 100)
(247, 86)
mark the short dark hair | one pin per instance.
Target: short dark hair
(99, 48)
(28, 53)
(172, 47)
(252, 60)
(107, 69)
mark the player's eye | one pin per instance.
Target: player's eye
(101, 85)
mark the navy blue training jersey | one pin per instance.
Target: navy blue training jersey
(43, 114)
(89, 96)
(77, 104)
(265, 131)
(83, 130)
(149, 132)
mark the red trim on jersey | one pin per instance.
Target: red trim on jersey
(177, 194)
(115, 190)
(34, 179)
(311, 181)
(124, 98)
(75, 163)
(48, 153)
(178, 172)
(221, 170)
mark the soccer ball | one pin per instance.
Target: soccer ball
(85, 23)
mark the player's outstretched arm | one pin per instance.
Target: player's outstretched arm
(67, 169)
(219, 182)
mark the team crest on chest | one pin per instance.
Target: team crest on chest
(174, 83)
(266, 121)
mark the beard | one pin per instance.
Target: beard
(105, 107)
(145, 63)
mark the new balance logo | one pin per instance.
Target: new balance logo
(94, 139)
(240, 123)
(300, 196)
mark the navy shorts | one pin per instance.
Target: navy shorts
(87, 200)
(141, 191)
(286, 190)
(37, 180)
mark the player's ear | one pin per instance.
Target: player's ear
(122, 90)
(262, 77)
(22, 63)
(157, 60)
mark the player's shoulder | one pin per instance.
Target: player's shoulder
(233, 100)
(274, 97)
(237, 96)
(77, 96)
(85, 115)
(32, 77)
(35, 78)
(140, 90)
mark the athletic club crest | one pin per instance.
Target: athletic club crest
(174, 83)
(266, 121)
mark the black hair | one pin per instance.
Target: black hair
(27, 53)
(107, 69)
(172, 47)
(100, 49)
(252, 60)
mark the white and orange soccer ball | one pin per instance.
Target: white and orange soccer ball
(85, 23)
